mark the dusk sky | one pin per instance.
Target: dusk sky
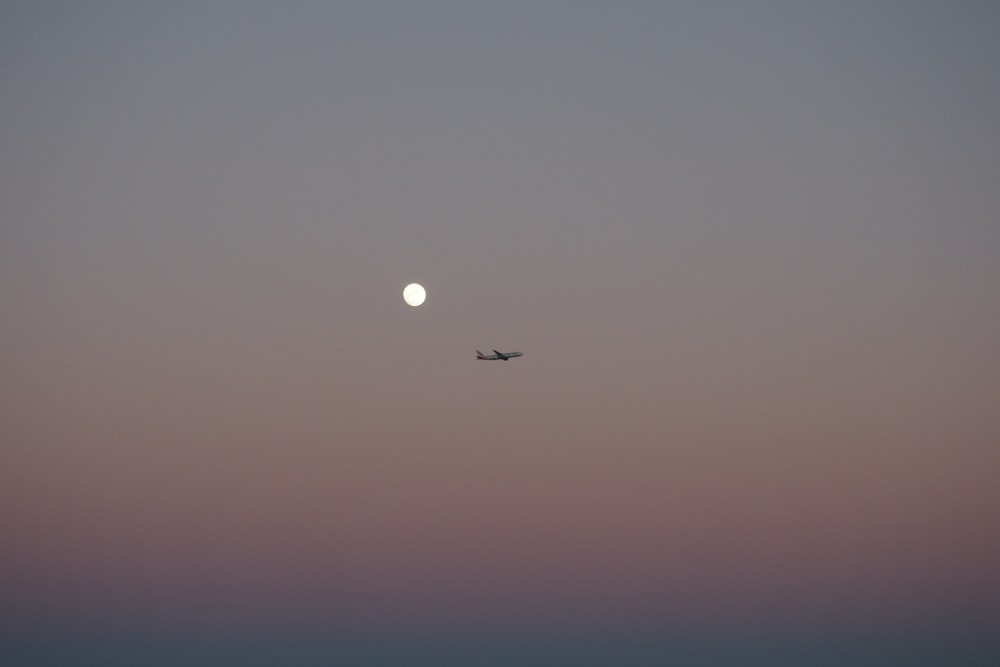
(750, 250)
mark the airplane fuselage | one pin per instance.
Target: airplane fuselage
(497, 355)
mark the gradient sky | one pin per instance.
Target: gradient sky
(751, 251)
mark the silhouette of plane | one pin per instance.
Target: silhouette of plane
(502, 356)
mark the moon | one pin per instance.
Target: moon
(414, 294)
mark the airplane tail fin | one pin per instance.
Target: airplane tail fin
(479, 355)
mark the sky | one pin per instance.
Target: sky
(750, 250)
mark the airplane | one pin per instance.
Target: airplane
(503, 356)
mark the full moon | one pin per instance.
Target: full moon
(414, 294)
